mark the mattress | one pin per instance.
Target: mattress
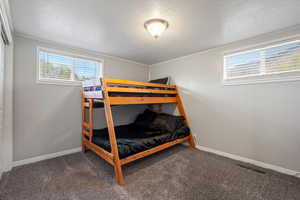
(132, 140)
(92, 88)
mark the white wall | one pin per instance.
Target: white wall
(2, 106)
(7, 84)
(258, 121)
(7, 137)
(47, 118)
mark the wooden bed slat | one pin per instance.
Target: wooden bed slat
(140, 100)
(99, 151)
(113, 138)
(153, 150)
(182, 113)
(138, 83)
(138, 90)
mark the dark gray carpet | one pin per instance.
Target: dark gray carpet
(177, 173)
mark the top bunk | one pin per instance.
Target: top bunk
(124, 92)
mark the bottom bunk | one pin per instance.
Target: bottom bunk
(149, 130)
(150, 133)
(132, 139)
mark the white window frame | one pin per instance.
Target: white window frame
(67, 54)
(262, 77)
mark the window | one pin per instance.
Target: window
(272, 63)
(64, 68)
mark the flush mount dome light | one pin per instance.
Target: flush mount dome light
(156, 26)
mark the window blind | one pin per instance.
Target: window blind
(281, 58)
(58, 67)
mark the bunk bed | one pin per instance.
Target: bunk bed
(124, 144)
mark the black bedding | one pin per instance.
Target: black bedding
(131, 94)
(134, 138)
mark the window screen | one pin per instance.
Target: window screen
(58, 67)
(270, 60)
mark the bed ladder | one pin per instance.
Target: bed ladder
(87, 125)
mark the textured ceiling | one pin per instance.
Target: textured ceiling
(115, 27)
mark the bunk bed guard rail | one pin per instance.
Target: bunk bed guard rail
(121, 92)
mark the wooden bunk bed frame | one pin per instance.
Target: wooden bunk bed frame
(108, 101)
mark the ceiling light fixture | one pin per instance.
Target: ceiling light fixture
(156, 26)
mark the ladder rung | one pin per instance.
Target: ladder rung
(85, 132)
(85, 125)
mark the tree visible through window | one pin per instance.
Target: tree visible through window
(58, 67)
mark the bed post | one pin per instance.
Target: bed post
(112, 137)
(182, 113)
(91, 118)
(83, 148)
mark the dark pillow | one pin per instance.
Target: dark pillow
(166, 122)
(145, 119)
(161, 80)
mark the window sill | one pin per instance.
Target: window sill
(59, 83)
(260, 80)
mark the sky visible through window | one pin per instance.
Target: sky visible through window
(243, 59)
(281, 50)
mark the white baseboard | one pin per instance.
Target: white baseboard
(250, 161)
(8, 167)
(5, 169)
(45, 157)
